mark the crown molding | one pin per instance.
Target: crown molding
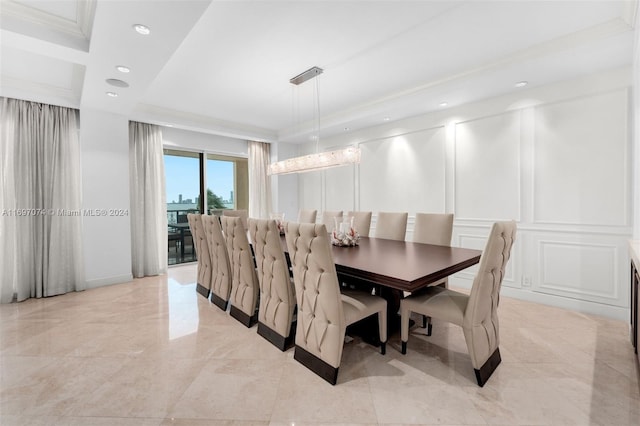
(200, 123)
(17, 88)
(80, 28)
(574, 40)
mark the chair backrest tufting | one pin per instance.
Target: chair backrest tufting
(244, 282)
(321, 322)
(202, 250)
(480, 323)
(277, 295)
(220, 266)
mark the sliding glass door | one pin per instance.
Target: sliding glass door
(184, 192)
(186, 173)
(227, 183)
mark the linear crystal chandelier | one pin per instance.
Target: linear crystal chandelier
(319, 160)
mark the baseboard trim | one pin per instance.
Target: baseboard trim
(101, 282)
(576, 305)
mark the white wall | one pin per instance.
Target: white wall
(104, 139)
(557, 159)
(185, 139)
(284, 188)
(636, 129)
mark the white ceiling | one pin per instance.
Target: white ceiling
(224, 66)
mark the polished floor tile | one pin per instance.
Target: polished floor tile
(153, 352)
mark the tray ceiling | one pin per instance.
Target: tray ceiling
(224, 66)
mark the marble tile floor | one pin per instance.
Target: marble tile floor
(152, 352)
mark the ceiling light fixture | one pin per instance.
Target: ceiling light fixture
(142, 29)
(123, 69)
(117, 83)
(443, 104)
(112, 94)
(521, 83)
(386, 119)
(319, 160)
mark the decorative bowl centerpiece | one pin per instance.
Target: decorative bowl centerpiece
(343, 234)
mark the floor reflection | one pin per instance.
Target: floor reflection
(184, 315)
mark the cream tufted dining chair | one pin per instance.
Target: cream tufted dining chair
(277, 292)
(433, 228)
(244, 281)
(242, 214)
(391, 226)
(323, 312)
(328, 216)
(220, 266)
(203, 285)
(361, 222)
(307, 216)
(476, 313)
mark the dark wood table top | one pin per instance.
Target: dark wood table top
(401, 265)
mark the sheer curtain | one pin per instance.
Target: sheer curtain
(259, 182)
(148, 205)
(40, 201)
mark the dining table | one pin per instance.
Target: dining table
(183, 228)
(401, 265)
(390, 268)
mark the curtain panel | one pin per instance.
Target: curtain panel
(148, 200)
(259, 182)
(40, 201)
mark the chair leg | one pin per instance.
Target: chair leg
(426, 323)
(487, 369)
(382, 330)
(404, 324)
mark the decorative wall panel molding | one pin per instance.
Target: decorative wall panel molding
(487, 168)
(581, 161)
(478, 242)
(582, 270)
(404, 172)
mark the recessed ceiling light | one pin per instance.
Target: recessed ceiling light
(386, 118)
(116, 82)
(112, 94)
(522, 83)
(142, 29)
(123, 69)
(443, 104)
